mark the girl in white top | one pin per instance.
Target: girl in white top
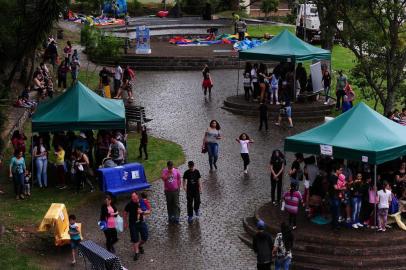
(244, 141)
(384, 199)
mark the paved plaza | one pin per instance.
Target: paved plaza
(181, 114)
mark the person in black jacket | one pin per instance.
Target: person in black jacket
(108, 213)
(263, 116)
(143, 142)
(263, 245)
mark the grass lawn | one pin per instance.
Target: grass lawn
(259, 30)
(27, 214)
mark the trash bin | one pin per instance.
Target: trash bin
(59, 34)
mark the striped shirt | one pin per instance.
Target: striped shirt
(292, 201)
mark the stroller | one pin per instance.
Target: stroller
(108, 163)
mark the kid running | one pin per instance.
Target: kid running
(74, 233)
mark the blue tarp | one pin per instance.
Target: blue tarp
(123, 179)
(121, 5)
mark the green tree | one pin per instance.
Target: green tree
(268, 6)
(375, 32)
(328, 16)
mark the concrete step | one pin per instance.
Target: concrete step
(296, 116)
(246, 239)
(254, 106)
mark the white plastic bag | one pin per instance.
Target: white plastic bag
(119, 223)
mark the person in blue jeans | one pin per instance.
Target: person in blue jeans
(17, 172)
(356, 201)
(335, 201)
(40, 153)
(211, 138)
(282, 248)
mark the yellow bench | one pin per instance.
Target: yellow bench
(57, 218)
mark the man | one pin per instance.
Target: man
(263, 116)
(136, 224)
(104, 82)
(296, 172)
(117, 151)
(301, 76)
(172, 183)
(263, 245)
(241, 29)
(193, 187)
(341, 83)
(236, 18)
(81, 143)
(118, 76)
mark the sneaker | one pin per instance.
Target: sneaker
(383, 230)
(277, 103)
(215, 166)
(135, 258)
(360, 225)
(355, 226)
(73, 262)
(340, 219)
(245, 171)
(307, 209)
(274, 203)
(141, 250)
(325, 103)
(290, 126)
(379, 230)
(388, 226)
(294, 228)
(190, 220)
(64, 187)
(348, 220)
(197, 213)
(277, 124)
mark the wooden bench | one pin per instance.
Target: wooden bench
(308, 96)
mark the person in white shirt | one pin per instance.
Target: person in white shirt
(118, 76)
(384, 200)
(244, 141)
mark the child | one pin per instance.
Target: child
(292, 199)
(274, 89)
(384, 200)
(247, 86)
(341, 185)
(144, 202)
(74, 233)
(50, 89)
(244, 141)
(146, 208)
(27, 185)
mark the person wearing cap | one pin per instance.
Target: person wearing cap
(117, 151)
(172, 183)
(263, 246)
(193, 187)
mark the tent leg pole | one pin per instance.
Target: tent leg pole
(294, 81)
(375, 191)
(238, 75)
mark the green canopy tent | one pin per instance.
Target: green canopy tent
(360, 134)
(79, 108)
(285, 47)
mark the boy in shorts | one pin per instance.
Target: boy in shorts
(74, 232)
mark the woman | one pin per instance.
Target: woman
(292, 199)
(63, 70)
(400, 177)
(108, 213)
(384, 200)
(17, 172)
(254, 78)
(81, 166)
(40, 154)
(67, 51)
(38, 82)
(283, 248)
(244, 141)
(276, 168)
(207, 83)
(127, 84)
(18, 141)
(262, 75)
(349, 93)
(356, 200)
(326, 80)
(211, 137)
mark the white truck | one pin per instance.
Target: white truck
(308, 22)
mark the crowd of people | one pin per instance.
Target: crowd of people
(123, 81)
(398, 117)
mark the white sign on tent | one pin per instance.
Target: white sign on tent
(315, 71)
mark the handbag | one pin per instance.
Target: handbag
(119, 223)
(102, 225)
(204, 148)
(394, 206)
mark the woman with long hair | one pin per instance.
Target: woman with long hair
(384, 200)
(40, 154)
(81, 166)
(211, 138)
(207, 83)
(244, 141)
(283, 248)
(17, 172)
(276, 168)
(262, 75)
(108, 213)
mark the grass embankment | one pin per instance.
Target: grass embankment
(28, 213)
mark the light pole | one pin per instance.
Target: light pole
(305, 19)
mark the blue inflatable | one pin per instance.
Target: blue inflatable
(121, 5)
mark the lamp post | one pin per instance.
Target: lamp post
(305, 19)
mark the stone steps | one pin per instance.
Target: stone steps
(338, 253)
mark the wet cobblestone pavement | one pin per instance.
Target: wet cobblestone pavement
(181, 114)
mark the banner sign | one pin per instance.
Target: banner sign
(143, 40)
(326, 150)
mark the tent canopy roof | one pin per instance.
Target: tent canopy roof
(360, 134)
(285, 47)
(79, 108)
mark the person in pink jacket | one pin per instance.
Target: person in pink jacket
(172, 183)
